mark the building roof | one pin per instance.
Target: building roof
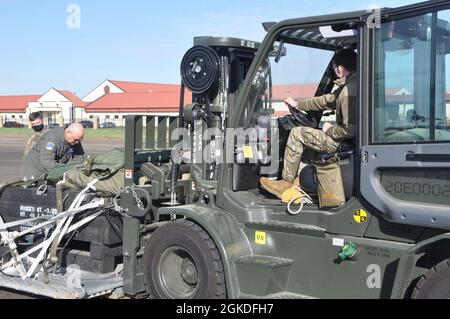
(16, 103)
(408, 98)
(76, 101)
(295, 91)
(138, 102)
(140, 87)
(397, 91)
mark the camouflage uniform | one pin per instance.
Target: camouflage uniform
(343, 100)
(32, 140)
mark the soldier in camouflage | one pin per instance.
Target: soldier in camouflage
(37, 123)
(343, 101)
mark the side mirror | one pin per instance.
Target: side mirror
(278, 51)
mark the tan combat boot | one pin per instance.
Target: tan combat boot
(274, 187)
(292, 192)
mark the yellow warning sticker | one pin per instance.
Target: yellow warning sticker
(360, 216)
(260, 238)
(248, 152)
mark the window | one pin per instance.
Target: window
(107, 117)
(445, 15)
(116, 117)
(296, 73)
(411, 75)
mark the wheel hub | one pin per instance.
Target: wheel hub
(178, 273)
(189, 271)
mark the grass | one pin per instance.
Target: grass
(110, 133)
(113, 134)
(15, 131)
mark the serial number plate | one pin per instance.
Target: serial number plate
(431, 186)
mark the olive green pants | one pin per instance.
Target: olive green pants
(302, 138)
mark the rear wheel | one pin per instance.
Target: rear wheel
(182, 262)
(435, 284)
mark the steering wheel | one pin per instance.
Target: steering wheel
(303, 119)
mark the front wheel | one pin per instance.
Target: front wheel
(435, 284)
(182, 262)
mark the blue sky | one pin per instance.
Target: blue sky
(135, 40)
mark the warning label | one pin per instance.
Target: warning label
(360, 216)
(260, 238)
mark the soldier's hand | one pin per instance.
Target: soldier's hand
(291, 102)
(326, 127)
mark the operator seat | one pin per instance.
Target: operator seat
(346, 154)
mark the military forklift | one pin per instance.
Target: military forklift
(216, 234)
(193, 220)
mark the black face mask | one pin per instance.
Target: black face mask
(38, 128)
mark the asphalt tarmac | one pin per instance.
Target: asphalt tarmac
(11, 155)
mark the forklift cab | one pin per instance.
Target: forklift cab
(215, 70)
(304, 71)
(403, 75)
(402, 109)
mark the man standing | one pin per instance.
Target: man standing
(37, 123)
(343, 100)
(56, 148)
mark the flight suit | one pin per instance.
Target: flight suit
(343, 101)
(32, 140)
(49, 152)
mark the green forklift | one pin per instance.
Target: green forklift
(208, 230)
(192, 221)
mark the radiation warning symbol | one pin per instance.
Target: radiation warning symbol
(360, 216)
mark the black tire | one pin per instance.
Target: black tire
(182, 262)
(435, 284)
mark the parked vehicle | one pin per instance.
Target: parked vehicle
(53, 125)
(87, 124)
(107, 125)
(12, 124)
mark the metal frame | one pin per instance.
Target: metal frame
(22, 272)
(63, 223)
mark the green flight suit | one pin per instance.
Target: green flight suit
(49, 152)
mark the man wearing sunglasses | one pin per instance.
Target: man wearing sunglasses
(328, 139)
(57, 147)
